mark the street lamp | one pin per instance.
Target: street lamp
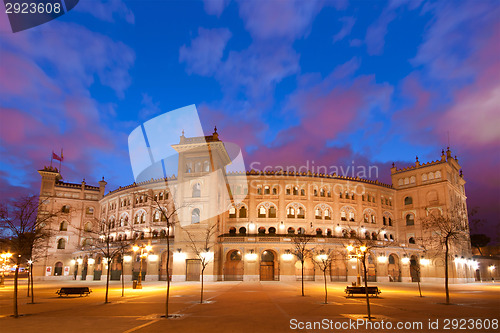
(144, 252)
(5, 256)
(491, 268)
(359, 252)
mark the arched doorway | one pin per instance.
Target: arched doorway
(338, 268)
(371, 269)
(85, 268)
(163, 266)
(58, 268)
(98, 268)
(116, 268)
(414, 269)
(393, 269)
(268, 266)
(233, 267)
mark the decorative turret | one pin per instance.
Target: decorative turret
(102, 186)
(417, 163)
(443, 157)
(215, 135)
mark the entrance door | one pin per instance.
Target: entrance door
(58, 268)
(193, 269)
(233, 267)
(267, 271)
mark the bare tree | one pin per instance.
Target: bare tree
(25, 222)
(100, 241)
(361, 247)
(203, 246)
(302, 252)
(446, 232)
(324, 258)
(168, 215)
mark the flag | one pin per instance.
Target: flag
(57, 157)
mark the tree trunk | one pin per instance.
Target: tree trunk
(418, 282)
(107, 281)
(29, 284)
(167, 297)
(123, 277)
(326, 289)
(302, 271)
(32, 286)
(446, 272)
(366, 288)
(16, 276)
(202, 272)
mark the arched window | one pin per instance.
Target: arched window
(155, 233)
(275, 190)
(301, 213)
(243, 212)
(267, 190)
(262, 211)
(343, 216)
(390, 222)
(142, 236)
(189, 167)
(301, 231)
(61, 244)
(88, 226)
(65, 209)
(431, 176)
(262, 230)
(206, 166)
(232, 212)
(351, 216)
(259, 190)
(90, 210)
(384, 221)
(315, 192)
(411, 240)
(408, 200)
(318, 213)
(272, 230)
(242, 230)
(302, 192)
(63, 226)
(232, 231)
(328, 215)
(272, 212)
(412, 179)
(290, 212)
(322, 192)
(197, 167)
(424, 177)
(163, 234)
(438, 174)
(291, 230)
(391, 238)
(329, 232)
(400, 182)
(319, 232)
(410, 219)
(195, 216)
(374, 235)
(295, 190)
(196, 190)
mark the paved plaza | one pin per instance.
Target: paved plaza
(251, 307)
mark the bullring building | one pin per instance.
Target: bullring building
(254, 234)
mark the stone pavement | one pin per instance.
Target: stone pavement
(252, 307)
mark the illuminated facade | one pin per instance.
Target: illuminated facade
(254, 237)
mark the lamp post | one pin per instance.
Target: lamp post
(144, 252)
(5, 256)
(360, 252)
(491, 268)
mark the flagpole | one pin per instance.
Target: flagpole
(51, 157)
(60, 161)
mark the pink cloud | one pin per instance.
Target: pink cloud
(204, 55)
(215, 7)
(107, 11)
(279, 19)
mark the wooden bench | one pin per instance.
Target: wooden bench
(74, 291)
(351, 291)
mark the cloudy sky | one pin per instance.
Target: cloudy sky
(289, 81)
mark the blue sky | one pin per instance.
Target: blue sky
(289, 81)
